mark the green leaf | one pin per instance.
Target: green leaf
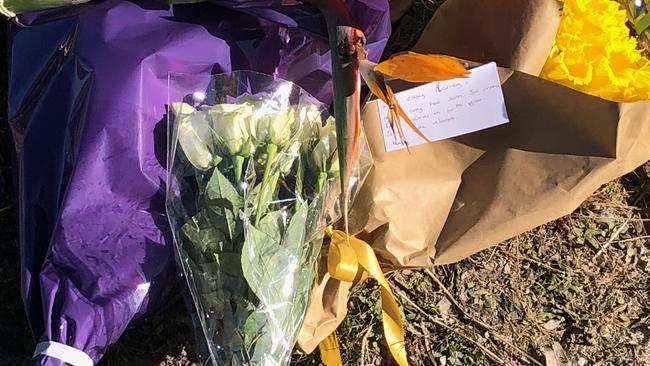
(315, 218)
(262, 260)
(250, 200)
(203, 235)
(244, 309)
(253, 328)
(270, 225)
(294, 237)
(642, 23)
(228, 266)
(300, 176)
(226, 203)
(225, 220)
(220, 188)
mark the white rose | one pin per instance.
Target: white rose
(289, 156)
(330, 129)
(323, 155)
(309, 117)
(309, 123)
(232, 127)
(274, 126)
(320, 155)
(335, 168)
(194, 134)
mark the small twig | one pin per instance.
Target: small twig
(7, 208)
(605, 218)
(614, 236)
(517, 269)
(494, 250)
(364, 346)
(480, 323)
(632, 239)
(426, 335)
(437, 321)
(543, 265)
(633, 208)
(444, 289)
(640, 322)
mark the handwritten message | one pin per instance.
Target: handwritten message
(449, 108)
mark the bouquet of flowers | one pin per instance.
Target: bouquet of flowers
(253, 182)
(595, 54)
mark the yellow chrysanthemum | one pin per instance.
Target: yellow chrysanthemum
(594, 53)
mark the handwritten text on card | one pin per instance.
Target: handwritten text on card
(449, 108)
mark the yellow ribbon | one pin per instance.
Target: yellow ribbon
(346, 258)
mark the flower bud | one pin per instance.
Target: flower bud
(309, 123)
(274, 126)
(309, 116)
(194, 134)
(289, 156)
(323, 156)
(320, 155)
(334, 167)
(232, 127)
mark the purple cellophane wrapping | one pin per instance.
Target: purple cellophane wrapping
(87, 105)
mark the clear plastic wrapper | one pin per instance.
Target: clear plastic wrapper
(253, 183)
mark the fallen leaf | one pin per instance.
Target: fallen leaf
(552, 324)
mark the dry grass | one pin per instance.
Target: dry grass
(581, 284)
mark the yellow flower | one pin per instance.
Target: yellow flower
(594, 53)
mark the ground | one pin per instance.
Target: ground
(575, 291)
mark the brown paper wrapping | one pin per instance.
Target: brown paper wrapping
(449, 199)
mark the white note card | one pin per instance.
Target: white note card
(445, 109)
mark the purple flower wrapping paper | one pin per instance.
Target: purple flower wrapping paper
(87, 107)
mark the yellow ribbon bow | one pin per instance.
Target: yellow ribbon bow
(347, 255)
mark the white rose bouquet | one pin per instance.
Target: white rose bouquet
(253, 181)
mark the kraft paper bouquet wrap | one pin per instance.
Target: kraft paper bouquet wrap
(88, 97)
(476, 190)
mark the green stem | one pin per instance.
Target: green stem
(216, 160)
(271, 152)
(642, 23)
(320, 183)
(238, 162)
(345, 81)
(273, 184)
(300, 177)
